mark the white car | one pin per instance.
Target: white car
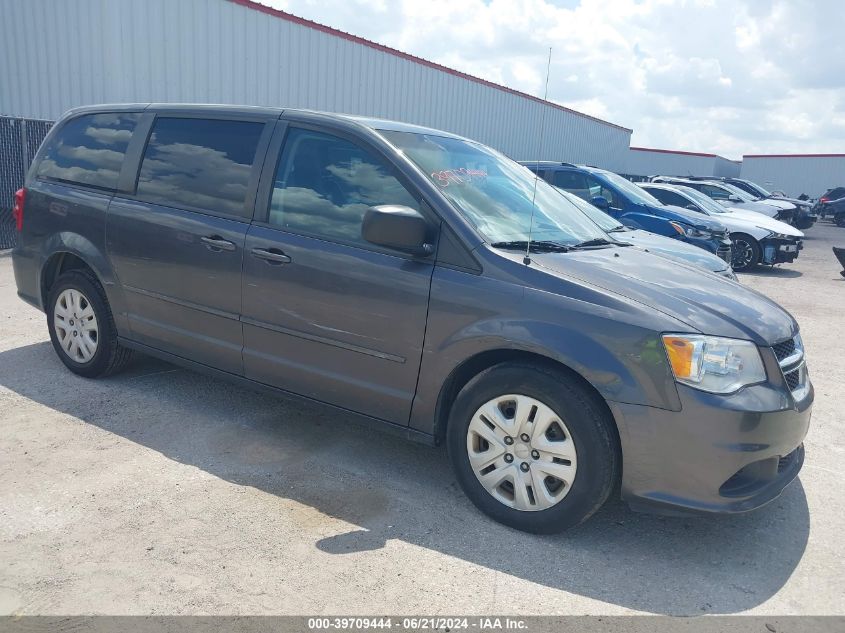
(756, 238)
(734, 197)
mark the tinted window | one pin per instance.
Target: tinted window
(89, 150)
(717, 193)
(199, 163)
(669, 197)
(570, 181)
(325, 184)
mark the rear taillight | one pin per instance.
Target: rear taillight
(17, 210)
(823, 200)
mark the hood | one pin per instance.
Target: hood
(705, 302)
(674, 249)
(752, 218)
(758, 207)
(698, 220)
(780, 203)
(793, 201)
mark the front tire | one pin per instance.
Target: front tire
(82, 327)
(532, 447)
(745, 252)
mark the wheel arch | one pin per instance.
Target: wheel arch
(56, 265)
(472, 366)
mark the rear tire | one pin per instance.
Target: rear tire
(582, 448)
(840, 219)
(745, 252)
(82, 327)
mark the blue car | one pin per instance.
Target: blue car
(634, 207)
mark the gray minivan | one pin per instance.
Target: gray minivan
(417, 280)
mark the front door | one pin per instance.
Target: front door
(326, 314)
(177, 243)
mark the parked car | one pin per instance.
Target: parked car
(756, 238)
(421, 282)
(835, 209)
(804, 216)
(651, 242)
(832, 204)
(633, 207)
(729, 196)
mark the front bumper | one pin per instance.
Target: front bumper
(721, 454)
(719, 246)
(780, 251)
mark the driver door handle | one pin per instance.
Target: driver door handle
(217, 243)
(270, 255)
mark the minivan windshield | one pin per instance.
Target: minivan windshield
(631, 190)
(495, 193)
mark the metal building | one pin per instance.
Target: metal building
(646, 161)
(62, 54)
(794, 174)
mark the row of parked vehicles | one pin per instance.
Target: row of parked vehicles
(740, 230)
(427, 284)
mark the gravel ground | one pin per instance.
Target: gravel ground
(161, 491)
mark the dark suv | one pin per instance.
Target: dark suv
(634, 207)
(419, 281)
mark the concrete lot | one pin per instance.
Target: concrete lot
(163, 491)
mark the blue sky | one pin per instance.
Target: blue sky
(729, 77)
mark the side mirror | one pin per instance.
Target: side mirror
(398, 227)
(600, 202)
(733, 198)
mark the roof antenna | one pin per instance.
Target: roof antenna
(527, 259)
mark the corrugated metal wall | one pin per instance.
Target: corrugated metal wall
(795, 175)
(652, 163)
(64, 54)
(726, 168)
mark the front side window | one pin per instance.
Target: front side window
(325, 184)
(494, 193)
(89, 150)
(201, 164)
(717, 193)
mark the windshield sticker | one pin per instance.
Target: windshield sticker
(459, 176)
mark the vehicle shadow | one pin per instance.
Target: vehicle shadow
(394, 489)
(771, 271)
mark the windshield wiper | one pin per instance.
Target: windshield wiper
(619, 229)
(536, 246)
(599, 241)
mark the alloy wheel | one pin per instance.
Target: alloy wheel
(521, 452)
(76, 325)
(743, 254)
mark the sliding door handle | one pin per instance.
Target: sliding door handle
(270, 255)
(217, 243)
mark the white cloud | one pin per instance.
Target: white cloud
(723, 76)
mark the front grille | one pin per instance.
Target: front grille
(790, 356)
(793, 378)
(784, 349)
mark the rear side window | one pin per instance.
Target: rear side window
(201, 164)
(325, 184)
(89, 150)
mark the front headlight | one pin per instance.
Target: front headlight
(714, 364)
(776, 236)
(689, 231)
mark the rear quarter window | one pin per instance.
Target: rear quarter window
(89, 150)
